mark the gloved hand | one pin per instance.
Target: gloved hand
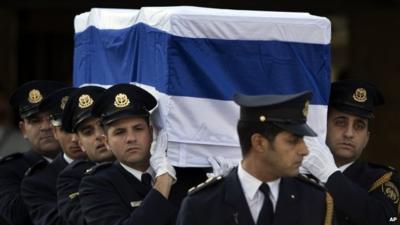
(220, 165)
(319, 162)
(159, 160)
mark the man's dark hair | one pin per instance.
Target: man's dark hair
(247, 129)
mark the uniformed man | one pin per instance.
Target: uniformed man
(264, 188)
(124, 192)
(78, 119)
(38, 188)
(364, 193)
(11, 139)
(35, 127)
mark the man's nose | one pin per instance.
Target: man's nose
(303, 150)
(45, 123)
(349, 132)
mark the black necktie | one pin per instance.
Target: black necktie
(146, 179)
(266, 215)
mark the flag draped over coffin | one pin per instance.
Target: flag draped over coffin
(194, 59)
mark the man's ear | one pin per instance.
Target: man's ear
(22, 128)
(258, 142)
(55, 133)
(79, 142)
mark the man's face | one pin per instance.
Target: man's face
(347, 136)
(90, 139)
(130, 140)
(283, 156)
(37, 130)
(68, 143)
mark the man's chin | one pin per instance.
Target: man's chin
(50, 147)
(344, 157)
(345, 153)
(104, 156)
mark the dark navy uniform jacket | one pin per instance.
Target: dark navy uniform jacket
(12, 170)
(186, 178)
(111, 195)
(38, 190)
(3, 221)
(223, 202)
(365, 194)
(69, 180)
(68, 198)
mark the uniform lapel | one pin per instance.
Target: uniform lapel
(130, 189)
(357, 173)
(288, 205)
(140, 188)
(59, 163)
(33, 157)
(239, 213)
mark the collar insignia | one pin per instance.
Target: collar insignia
(136, 204)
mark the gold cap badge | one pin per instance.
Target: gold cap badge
(305, 109)
(263, 118)
(360, 95)
(63, 102)
(35, 96)
(121, 100)
(85, 101)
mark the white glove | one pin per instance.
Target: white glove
(220, 165)
(319, 162)
(159, 160)
(303, 170)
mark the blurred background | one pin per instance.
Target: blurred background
(37, 37)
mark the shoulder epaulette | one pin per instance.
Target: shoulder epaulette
(329, 209)
(36, 167)
(328, 198)
(210, 181)
(311, 182)
(310, 177)
(97, 167)
(389, 186)
(11, 157)
(384, 167)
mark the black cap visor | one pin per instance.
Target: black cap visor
(29, 112)
(301, 129)
(106, 120)
(355, 111)
(79, 119)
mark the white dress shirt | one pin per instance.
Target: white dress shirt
(137, 173)
(68, 159)
(344, 167)
(49, 160)
(254, 197)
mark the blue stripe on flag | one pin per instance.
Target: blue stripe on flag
(199, 67)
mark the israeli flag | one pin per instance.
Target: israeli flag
(194, 59)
